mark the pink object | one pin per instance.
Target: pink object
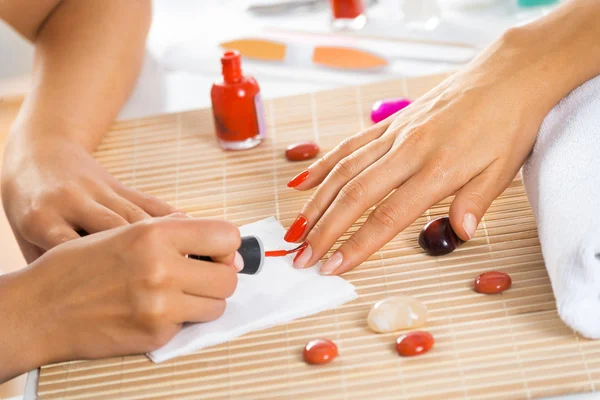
(384, 108)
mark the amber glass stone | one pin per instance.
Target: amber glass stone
(302, 151)
(492, 282)
(320, 351)
(437, 237)
(414, 343)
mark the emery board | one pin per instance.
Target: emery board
(511, 346)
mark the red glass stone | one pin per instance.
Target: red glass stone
(320, 351)
(414, 343)
(437, 237)
(492, 282)
(302, 151)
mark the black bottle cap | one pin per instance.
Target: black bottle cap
(253, 253)
(251, 250)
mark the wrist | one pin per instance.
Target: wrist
(39, 125)
(23, 340)
(556, 53)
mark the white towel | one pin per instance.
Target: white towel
(562, 180)
(278, 294)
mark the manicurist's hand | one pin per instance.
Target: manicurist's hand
(118, 292)
(53, 187)
(87, 58)
(469, 136)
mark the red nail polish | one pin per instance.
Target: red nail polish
(237, 108)
(298, 179)
(296, 230)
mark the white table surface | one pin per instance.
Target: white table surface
(196, 27)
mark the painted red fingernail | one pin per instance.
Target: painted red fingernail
(298, 179)
(296, 230)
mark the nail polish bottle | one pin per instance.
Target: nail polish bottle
(348, 14)
(236, 105)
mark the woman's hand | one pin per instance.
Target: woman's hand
(468, 136)
(53, 187)
(123, 291)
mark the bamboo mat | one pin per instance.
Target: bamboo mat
(509, 346)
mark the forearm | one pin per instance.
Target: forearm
(87, 57)
(541, 62)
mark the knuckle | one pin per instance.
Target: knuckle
(346, 145)
(134, 212)
(148, 231)
(354, 246)
(311, 207)
(66, 190)
(32, 216)
(58, 237)
(354, 192)
(111, 220)
(386, 216)
(156, 275)
(347, 167)
(155, 312)
(477, 199)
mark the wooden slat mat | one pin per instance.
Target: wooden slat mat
(510, 346)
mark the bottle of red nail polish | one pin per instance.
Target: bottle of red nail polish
(237, 108)
(349, 14)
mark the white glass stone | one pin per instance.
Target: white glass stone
(397, 313)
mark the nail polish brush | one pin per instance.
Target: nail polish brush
(253, 254)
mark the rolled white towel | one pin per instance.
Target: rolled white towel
(562, 181)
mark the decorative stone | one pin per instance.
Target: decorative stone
(414, 343)
(302, 151)
(384, 108)
(492, 282)
(320, 351)
(437, 237)
(397, 313)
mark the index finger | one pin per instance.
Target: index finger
(203, 237)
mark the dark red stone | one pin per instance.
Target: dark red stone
(437, 237)
(302, 151)
(320, 351)
(492, 282)
(414, 343)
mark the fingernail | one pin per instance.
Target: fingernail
(302, 258)
(298, 179)
(469, 224)
(238, 262)
(332, 264)
(296, 230)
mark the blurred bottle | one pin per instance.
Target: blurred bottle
(348, 14)
(421, 14)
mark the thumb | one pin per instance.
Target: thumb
(473, 200)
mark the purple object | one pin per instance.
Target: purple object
(384, 108)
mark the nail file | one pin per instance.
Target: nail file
(298, 54)
(345, 52)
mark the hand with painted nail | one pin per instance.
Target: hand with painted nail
(469, 136)
(124, 291)
(53, 188)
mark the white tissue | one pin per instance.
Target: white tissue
(278, 294)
